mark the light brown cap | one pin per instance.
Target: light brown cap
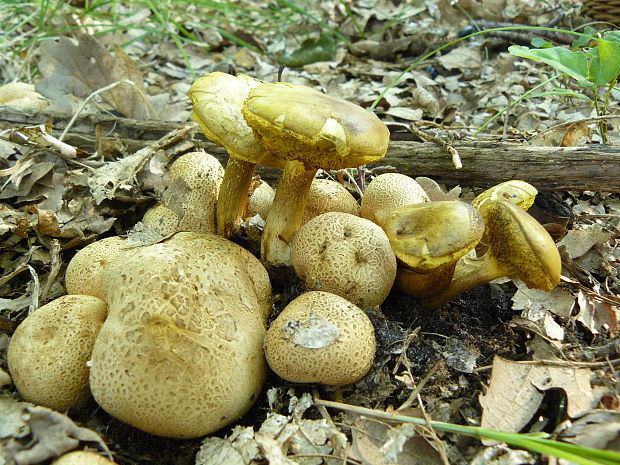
(217, 100)
(299, 123)
(82, 457)
(325, 196)
(427, 235)
(321, 338)
(48, 352)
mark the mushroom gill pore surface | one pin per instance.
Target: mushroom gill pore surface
(48, 352)
(180, 353)
(321, 338)
(346, 255)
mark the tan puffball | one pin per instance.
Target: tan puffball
(345, 255)
(84, 272)
(325, 196)
(191, 196)
(260, 200)
(48, 352)
(82, 457)
(21, 94)
(386, 193)
(180, 353)
(321, 338)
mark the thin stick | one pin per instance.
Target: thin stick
(456, 158)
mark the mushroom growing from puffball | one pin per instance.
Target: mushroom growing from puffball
(321, 338)
(217, 99)
(519, 248)
(310, 130)
(345, 255)
(386, 193)
(428, 239)
(48, 352)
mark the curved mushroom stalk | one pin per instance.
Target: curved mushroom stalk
(286, 213)
(428, 239)
(232, 201)
(519, 248)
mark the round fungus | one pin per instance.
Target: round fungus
(386, 193)
(82, 457)
(309, 130)
(321, 338)
(84, 273)
(325, 196)
(346, 255)
(188, 203)
(260, 200)
(180, 353)
(48, 352)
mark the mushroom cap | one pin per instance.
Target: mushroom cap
(260, 200)
(521, 245)
(320, 338)
(514, 191)
(298, 123)
(82, 457)
(325, 196)
(217, 100)
(188, 203)
(84, 273)
(48, 352)
(427, 235)
(346, 255)
(386, 193)
(180, 353)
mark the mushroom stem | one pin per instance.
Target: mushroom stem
(232, 200)
(286, 213)
(424, 284)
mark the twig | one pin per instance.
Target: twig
(440, 446)
(56, 264)
(560, 363)
(416, 392)
(456, 158)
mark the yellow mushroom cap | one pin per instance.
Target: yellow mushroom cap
(217, 100)
(302, 124)
(320, 338)
(514, 191)
(82, 457)
(345, 255)
(48, 352)
(84, 273)
(427, 235)
(386, 193)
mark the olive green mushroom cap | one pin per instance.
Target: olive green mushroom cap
(217, 100)
(427, 235)
(514, 191)
(302, 124)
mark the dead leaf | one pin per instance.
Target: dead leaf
(272, 450)
(20, 94)
(461, 58)
(598, 317)
(218, 451)
(558, 301)
(597, 428)
(579, 241)
(564, 135)
(516, 391)
(86, 66)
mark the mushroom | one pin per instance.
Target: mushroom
(188, 203)
(320, 338)
(180, 353)
(346, 255)
(386, 193)
(260, 200)
(519, 248)
(428, 239)
(84, 272)
(518, 192)
(82, 457)
(310, 130)
(325, 196)
(48, 352)
(217, 99)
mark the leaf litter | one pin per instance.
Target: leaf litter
(74, 195)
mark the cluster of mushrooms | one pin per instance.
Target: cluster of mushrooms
(172, 337)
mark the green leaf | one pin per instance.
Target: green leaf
(541, 43)
(612, 36)
(312, 50)
(605, 64)
(582, 41)
(573, 63)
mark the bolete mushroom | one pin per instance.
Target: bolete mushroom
(188, 203)
(48, 352)
(310, 130)
(320, 338)
(514, 191)
(428, 239)
(519, 248)
(386, 193)
(180, 353)
(345, 255)
(217, 99)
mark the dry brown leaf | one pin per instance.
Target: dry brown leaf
(579, 241)
(597, 428)
(82, 68)
(564, 135)
(598, 317)
(516, 391)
